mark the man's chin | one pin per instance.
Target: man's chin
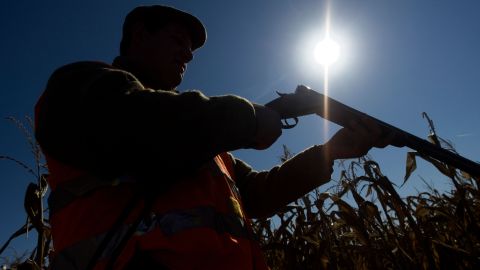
(168, 85)
(176, 83)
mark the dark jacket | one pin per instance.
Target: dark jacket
(100, 118)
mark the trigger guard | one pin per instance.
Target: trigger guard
(287, 125)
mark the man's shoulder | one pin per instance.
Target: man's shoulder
(81, 66)
(82, 72)
(86, 64)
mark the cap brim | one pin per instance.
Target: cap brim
(194, 25)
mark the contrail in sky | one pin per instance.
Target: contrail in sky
(465, 135)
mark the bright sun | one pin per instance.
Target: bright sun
(327, 52)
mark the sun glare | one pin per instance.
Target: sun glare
(327, 52)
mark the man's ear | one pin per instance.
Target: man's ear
(139, 35)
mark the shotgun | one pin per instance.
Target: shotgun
(305, 101)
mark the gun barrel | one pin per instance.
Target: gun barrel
(306, 101)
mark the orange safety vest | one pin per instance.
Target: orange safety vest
(199, 223)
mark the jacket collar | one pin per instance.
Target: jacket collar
(121, 62)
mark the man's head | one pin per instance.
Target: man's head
(158, 42)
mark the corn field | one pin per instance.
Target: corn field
(361, 223)
(379, 229)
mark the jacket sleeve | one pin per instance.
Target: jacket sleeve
(266, 192)
(100, 118)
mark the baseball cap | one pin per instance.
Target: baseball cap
(156, 16)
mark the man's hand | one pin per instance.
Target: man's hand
(269, 127)
(356, 140)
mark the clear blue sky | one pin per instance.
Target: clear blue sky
(400, 58)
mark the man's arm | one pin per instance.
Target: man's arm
(266, 192)
(102, 118)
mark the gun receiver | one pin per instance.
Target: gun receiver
(306, 101)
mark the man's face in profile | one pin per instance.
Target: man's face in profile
(164, 55)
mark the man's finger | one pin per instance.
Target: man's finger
(358, 129)
(385, 140)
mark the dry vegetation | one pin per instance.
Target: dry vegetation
(377, 229)
(362, 223)
(33, 205)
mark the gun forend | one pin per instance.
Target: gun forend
(306, 101)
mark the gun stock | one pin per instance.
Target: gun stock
(306, 101)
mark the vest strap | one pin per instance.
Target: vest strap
(69, 191)
(174, 222)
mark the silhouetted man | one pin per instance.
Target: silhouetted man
(140, 173)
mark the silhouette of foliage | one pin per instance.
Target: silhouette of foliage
(379, 229)
(33, 204)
